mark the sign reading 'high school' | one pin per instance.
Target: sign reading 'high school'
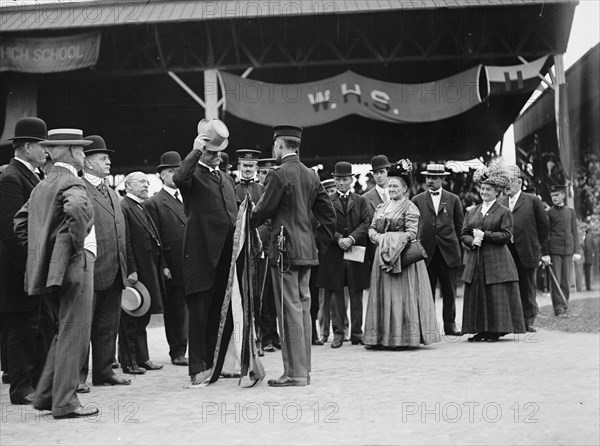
(49, 54)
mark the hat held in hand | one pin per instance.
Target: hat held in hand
(215, 133)
(135, 299)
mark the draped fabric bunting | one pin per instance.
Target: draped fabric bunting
(319, 102)
(241, 288)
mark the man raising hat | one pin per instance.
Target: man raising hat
(166, 210)
(292, 191)
(22, 354)
(110, 269)
(440, 226)
(58, 217)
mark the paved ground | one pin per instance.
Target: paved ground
(536, 389)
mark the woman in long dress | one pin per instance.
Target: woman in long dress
(492, 304)
(400, 310)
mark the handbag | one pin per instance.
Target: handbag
(412, 252)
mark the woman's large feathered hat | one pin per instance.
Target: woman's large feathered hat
(496, 174)
(401, 168)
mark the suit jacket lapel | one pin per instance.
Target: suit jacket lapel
(173, 204)
(141, 216)
(210, 175)
(98, 197)
(519, 202)
(31, 177)
(351, 201)
(337, 203)
(429, 202)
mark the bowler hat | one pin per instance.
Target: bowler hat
(435, 170)
(379, 162)
(66, 137)
(135, 299)
(216, 133)
(287, 130)
(248, 155)
(97, 146)
(30, 128)
(343, 169)
(169, 159)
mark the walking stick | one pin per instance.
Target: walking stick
(280, 267)
(557, 285)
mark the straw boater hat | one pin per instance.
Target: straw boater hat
(135, 299)
(216, 133)
(30, 128)
(169, 159)
(435, 170)
(66, 137)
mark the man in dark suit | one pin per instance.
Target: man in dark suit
(211, 209)
(144, 263)
(530, 231)
(377, 195)
(440, 226)
(110, 268)
(352, 225)
(292, 191)
(166, 210)
(561, 248)
(54, 225)
(20, 313)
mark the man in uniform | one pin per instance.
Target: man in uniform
(440, 226)
(264, 164)
(292, 191)
(530, 231)
(166, 210)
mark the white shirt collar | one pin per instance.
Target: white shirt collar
(210, 169)
(172, 191)
(289, 154)
(66, 166)
(27, 164)
(134, 198)
(382, 191)
(347, 194)
(436, 191)
(485, 206)
(515, 197)
(96, 181)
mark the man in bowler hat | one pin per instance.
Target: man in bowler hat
(352, 225)
(440, 226)
(54, 225)
(211, 209)
(110, 268)
(292, 191)
(530, 231)
(166, 210)
(377, 195)
(22, 352)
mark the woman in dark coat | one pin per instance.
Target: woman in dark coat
(492, 306)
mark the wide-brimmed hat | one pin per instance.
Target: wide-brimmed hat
(379, 162)
(66, 137)
(435, 170)
(97, 146)
(30, 128)
(169, 159)
(216, 133)
(342, 169)
(135, 299)
(287, 130)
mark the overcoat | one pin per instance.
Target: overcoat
(497, 225)
(442, 229)
(169, 217)
(353, 222)
(16, 184)
(530, 229)
(144, 251)
(211, 210)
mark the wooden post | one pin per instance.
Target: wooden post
(563, 131)
(211, 94)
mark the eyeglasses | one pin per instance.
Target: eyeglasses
(142, 182)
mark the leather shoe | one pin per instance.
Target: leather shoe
(269, 348)
(200, 377)
(134, 370)
(356, 342)
(286, 381)
(80, 412)
(180, 360)
(479, 337)
(149, 365)
(114, 380)
(83, 388)
(451, 330)
(317, 342)
(530, 329)
(27, 399)
(231, 375)
(337, 342)
(5, 378)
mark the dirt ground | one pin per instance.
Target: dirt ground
(542, 388)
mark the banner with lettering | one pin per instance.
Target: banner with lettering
(326, 100)
(49, 54)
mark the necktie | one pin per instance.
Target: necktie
(435, 193)
(247, 182)
(103, 190)
(176, 194)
